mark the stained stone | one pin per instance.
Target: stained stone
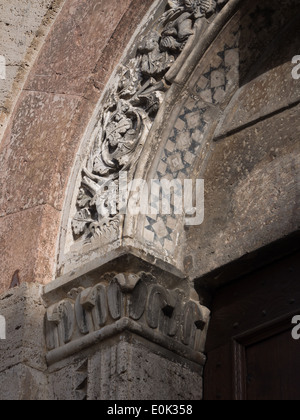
(219, 95)
(160, 229)
(110, 311)
(232, 58)
(206, 95)
(183, 141)
(189, 157)
(218, 78)
(180, 124)
(162, 168)
(148, 235)
(193, 120)
(170, 146)
(203, 82)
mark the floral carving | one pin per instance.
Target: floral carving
(127, 118)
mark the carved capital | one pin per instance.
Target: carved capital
(136, 303)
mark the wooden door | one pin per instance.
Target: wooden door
(251, 352)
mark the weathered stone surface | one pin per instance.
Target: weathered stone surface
(257, 83)
(124, 366)
(70, 382)
(252, 192)
(136, 371)
(24, 345)
(83, 31)
(22, 383)
(124, 122)
(87, 316)
(127, 368)
(113, 336)
(38, 150)
(22, 232)
(270, 89)
(23, 27)
(32, 172)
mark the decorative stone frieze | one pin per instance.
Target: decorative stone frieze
(137, 303)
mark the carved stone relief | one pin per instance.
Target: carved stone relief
(212, 86)
(135, 301)
(128, 116)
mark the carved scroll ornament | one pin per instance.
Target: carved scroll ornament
(128, 117)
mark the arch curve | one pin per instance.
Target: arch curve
(122, 134)
(43, 134)
(183, 140)
(192, 89)
(171, 91)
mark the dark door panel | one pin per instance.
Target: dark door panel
(250, 349)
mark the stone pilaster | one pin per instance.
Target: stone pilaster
(127, 337)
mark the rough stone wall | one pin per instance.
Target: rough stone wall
(22, 360)
(23, 27)
(122, 366)
(40, 143)
(262, 208)
(250, 163)
(252, 170)
(234, 123)
(127, 369)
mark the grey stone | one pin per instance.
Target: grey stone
(135, 371)
(21, 382)
(124, 320)
(25, 343)
(165, 316)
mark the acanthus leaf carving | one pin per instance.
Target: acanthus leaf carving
(138, 301)
(193, 324)
(115, 299)
(60, 323)
(157, 307)
(100, 309)
(127, 119)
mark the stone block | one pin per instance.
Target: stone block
(22, 28)
(23, 311)
(175, 162)
(32, 171)
(70, 382)
(218, 78)
(27, 244)
(82, 30)
(251, 192)
(136, 370)
(271, 90)
(22, 383)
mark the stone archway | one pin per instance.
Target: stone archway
(217, 71)
(46, 126)
(185, 147)
(132, 114)
(131, 296)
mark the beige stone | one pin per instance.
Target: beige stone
(122, 314)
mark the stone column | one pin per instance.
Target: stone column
(130, 336)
